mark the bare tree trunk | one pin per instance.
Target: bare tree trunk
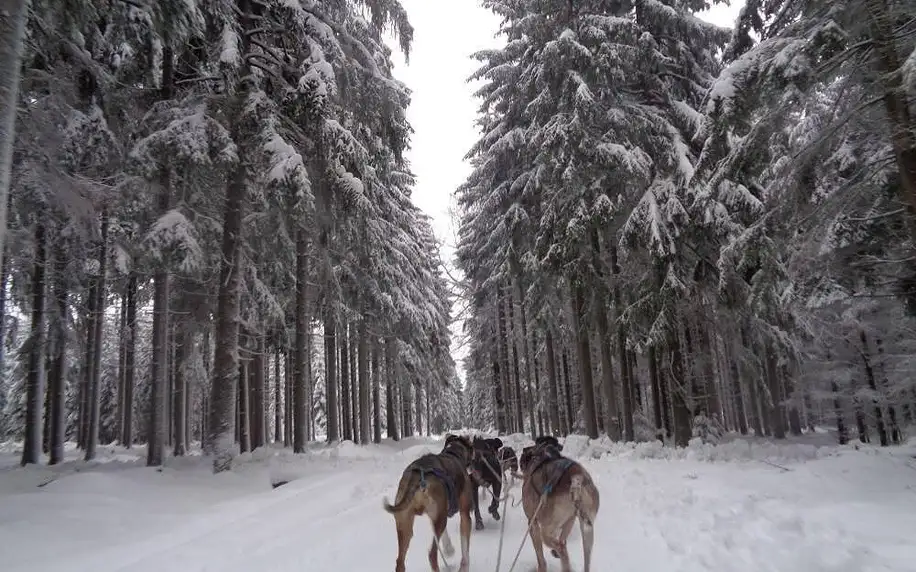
(278, 398)
(157, 431)
(390, 384)
(58, 381)
(258, 395)
(354, 382)
(679, 392)
(345, 383)
(658, 401)
(290, 377)
(554, 405)
(870, 379)
(35, 388)
(584, 358)
(612, 428)
(95, 394)
(244, 407)
(569, 420)
(774, 405)
(363, 367)
(330, 376)
(499, 396)
(13, 17)
(180, 395)
(4, 273)
(122, 349)
(503, 350)
(376, 398)
(523, 340)
(404, 387)
(86, 366)
(130, 350)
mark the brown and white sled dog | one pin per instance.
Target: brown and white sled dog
(437, 485)
(568, 493)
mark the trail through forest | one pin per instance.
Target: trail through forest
(738, 506)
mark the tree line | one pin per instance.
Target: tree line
(211, 235)
(674, 229)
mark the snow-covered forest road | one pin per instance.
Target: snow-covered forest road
(741, 507)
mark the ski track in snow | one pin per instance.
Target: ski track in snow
(741, 507)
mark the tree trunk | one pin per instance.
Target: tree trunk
(872, 384)
(13, 18)
(345, 383)
(157, 431)
(4, 273)
(289, 374)
(658, 404)
(122, 349)
(278, 398)
(354, 382)
(513, 340)
(130, 352)
(583, 348)
(390, 383)
(499, 396)
(180, 394)
(569, 421)
(58, 381)
(244, 406)
(523, 340)
(776, 417)
(95, 394)
(258, 395)
(611, 425)
(362, 365)
(679, 392)
(330, 376)
(31, 448)
(503, 350)
(376, 398)
(86, 367)
(404, 388)
(554, 405)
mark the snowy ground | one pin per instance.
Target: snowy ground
(737, 507)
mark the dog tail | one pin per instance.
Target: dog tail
(406, 491)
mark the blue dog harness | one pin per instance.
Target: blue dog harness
(451, 491)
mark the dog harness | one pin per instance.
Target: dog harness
(554, 466)
(451, 492)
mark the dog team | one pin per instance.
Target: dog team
(556, 491)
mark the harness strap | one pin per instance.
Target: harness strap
(563, 465)
(447, 481)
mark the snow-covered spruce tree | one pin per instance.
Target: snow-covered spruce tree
(588, 119)
(13, 17)
(808, 123)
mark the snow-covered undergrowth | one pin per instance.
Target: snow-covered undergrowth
(746, 504)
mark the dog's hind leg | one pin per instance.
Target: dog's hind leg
(478, 520)
(537, 542)
(588, 540)
(497, 493)
(404, 524)
(465, 538)
(439, 520)
(558, 544)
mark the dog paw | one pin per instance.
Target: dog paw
(495, 515)
(478, 525)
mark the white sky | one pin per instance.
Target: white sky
(443, 108)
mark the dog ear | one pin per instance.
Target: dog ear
(496, 442)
